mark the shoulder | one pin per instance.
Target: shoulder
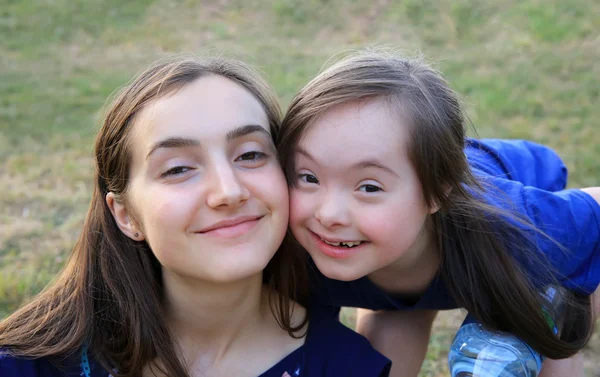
(335, 350)
(518, 160)
(11, 366)
(70, 366)
(506, 153)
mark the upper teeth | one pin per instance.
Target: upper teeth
(345, 243)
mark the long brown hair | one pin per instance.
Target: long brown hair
(109, 295)
(483, 249)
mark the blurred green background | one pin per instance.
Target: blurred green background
(525, 69)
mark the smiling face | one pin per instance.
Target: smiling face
(206, 190)
(357, 205)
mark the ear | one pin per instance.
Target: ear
(436, 206)
(123, 219)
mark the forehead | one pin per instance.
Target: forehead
(206, 108)
(356, 130)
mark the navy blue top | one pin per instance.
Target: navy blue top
(533, 177)
(330, 350)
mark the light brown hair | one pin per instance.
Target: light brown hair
(109, 295)
(480, 244)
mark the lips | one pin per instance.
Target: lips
(233, 227)
(338, 241)
(342, 243)
(336, 252)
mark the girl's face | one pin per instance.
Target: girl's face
(358, 205)
(206, 191)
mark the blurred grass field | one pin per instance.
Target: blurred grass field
(525, 69)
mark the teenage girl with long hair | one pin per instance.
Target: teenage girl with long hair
(177, 270)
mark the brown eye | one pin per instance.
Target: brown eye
(252, 156)
(308, 178)
(369, 188)
(177, 170)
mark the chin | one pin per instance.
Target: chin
(336, 272)
(239, 270)
(235, 275)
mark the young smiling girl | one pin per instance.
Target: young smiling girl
(400, 212)
(176, 272)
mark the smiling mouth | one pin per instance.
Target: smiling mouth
(348, 244)
(230, 223)
(232, 228)
(342, 244)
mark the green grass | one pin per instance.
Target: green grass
(525, 69)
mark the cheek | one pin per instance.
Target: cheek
(301, 208)
(395, 224)
(159, 210)
(279, 200)
(280, 190)
(379, 225)
(270, 187)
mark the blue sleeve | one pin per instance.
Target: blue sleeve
(518, 160)
(570, 218)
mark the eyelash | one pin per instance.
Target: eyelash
(258, 156)
(175, 171)
(305, 175)
(377, 188)
(179, 170)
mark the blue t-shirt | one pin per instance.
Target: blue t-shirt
(330, 350)
(533, 179)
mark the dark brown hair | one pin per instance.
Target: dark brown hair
(109, 295)
(481, 246)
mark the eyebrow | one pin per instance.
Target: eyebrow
(305, 154)
(182, 142)
(359, 165)
(173, 142)
(246, 130)
(373, 164)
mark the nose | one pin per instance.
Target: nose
(333, 211)
(226, 190)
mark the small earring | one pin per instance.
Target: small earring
(136, 235)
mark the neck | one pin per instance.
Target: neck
(413, 272)
(207, 318)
